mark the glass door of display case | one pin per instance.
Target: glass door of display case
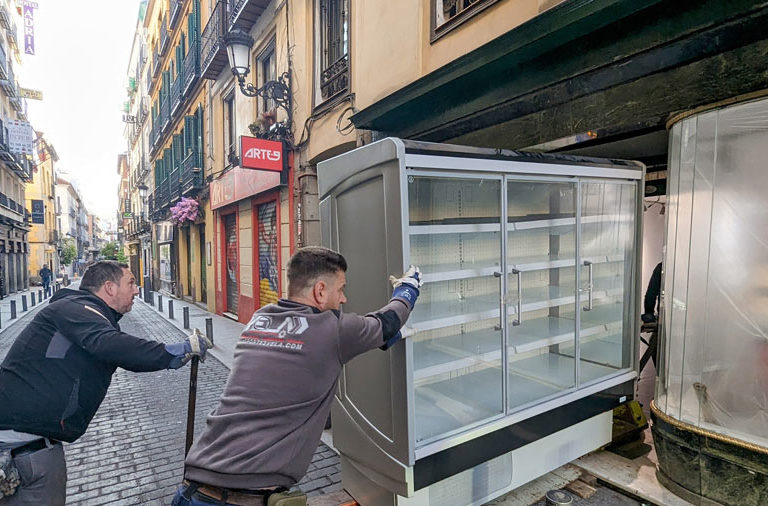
(455, 238)
(563, 261)
(541, 289)
(607, 258)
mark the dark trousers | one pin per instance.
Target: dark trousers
(46, 286)
(43, 476)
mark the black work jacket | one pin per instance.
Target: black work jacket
(58, 370)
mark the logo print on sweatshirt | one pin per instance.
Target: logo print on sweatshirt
(273, 332)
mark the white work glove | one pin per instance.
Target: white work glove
(406, 287)
(196, 345)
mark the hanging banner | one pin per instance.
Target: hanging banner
(30, 93)
(29, 26)
(21, 137)
(38, 211)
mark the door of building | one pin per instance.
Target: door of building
(230, 237)
(203, 264)
(188, 249)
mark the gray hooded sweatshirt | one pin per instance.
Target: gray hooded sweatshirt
(273, 410)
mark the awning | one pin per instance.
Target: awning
(611, 65)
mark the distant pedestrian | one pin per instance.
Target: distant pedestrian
(56, 375)
(46, 274)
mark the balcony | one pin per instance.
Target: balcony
(175, 13)
(165, 108)
(155, 65)
(176, 93)
(11, 36)
(9, 83)
(161, 195)
(213, 54)
(191, 67)
(191, 173)
(16, 104)
(154, 134)
(244, 13)
(149, 78)
(174, 186)
(3, 200)
(5, 17)
(3, 64)
(165, 40)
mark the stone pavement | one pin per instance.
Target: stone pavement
(133, 450)
(5, 305)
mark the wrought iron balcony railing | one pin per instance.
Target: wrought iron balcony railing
(213, 55)
(3, 64)
(165, 40)
(175, 13)
(176, 93)
(5, 18)
(191, 173)
(245, 13)
(191, 67)
(174, 186)
(155, 64)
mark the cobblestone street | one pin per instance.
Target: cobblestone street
(133, 450)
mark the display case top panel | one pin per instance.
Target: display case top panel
(416, 154)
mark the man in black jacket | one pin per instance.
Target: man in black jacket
(58, 370)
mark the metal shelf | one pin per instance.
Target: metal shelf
(465, 353)
(512, 226)
(483, 307)
(433, 273)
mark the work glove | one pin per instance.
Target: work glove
(648, 318)
(196, 345)
(406, 287)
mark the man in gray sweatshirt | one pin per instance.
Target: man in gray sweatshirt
(260, 439)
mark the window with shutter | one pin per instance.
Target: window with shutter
(333, 40)
(447, 14)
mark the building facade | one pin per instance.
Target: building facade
(72, 222)
(134, 210)
(15, 161)
(177, 98)
(41, 201)
(252, 208)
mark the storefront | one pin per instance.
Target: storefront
(166, 256)
(251, 209)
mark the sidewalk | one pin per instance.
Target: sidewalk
(5, 304)
(226, 331)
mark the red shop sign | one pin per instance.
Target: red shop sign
(261, 154)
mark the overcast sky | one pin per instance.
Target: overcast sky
(80, 65)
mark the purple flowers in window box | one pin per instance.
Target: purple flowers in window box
(185, 210)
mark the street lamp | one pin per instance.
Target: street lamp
(239, 44)
(142, 191)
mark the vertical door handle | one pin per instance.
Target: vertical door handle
(588, 307)
(500, 326)
(519, 318)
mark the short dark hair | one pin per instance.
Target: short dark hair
(100, 272)
(309, 263)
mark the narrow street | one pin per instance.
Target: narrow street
(133, 450)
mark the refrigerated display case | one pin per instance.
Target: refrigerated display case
(524, 332)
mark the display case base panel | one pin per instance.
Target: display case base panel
(490, 479)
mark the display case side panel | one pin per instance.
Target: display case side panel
(362, 241)
(366, 227)
(336, 170)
